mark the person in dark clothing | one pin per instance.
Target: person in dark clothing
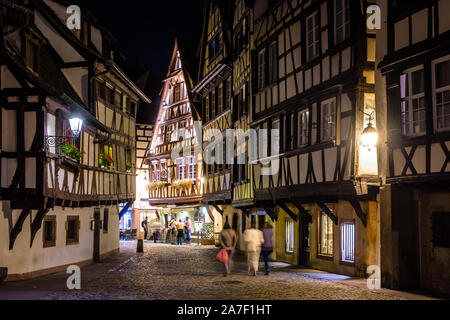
(267, 247)
(144, 225)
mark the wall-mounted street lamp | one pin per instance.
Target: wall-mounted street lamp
(76, 124)
(369, 137)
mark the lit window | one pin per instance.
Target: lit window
(181, 166)
(312, 36)
(328, 120)
(289, 235)
(412, 94)
(192, 168)
(441, 93)
(342, 20)
(348, 242)
(303, 128)
(326, 235)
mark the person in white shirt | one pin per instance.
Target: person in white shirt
(254, 239)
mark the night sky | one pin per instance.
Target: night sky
(147, 28)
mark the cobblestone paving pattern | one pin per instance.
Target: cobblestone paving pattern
(166, 272)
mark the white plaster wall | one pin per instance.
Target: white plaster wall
(23, 259)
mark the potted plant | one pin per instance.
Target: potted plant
(109, 162)
(157, 185)
(101, 160)
(72, 151)
(129, 166)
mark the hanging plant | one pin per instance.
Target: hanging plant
(72, 151)
(129, 166)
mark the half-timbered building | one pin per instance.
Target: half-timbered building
(61, 191)
(413, 104)
(176, 184)
(214, 90)
(313, 69)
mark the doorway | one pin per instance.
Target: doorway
(304, 254)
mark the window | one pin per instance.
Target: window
(168, 134)
(342, 20)
(220, 99)
(441, 225)
(72, 230)
(181, 166)
(192, 168)
(49, 231)
(177, 93)
(215, 47)
(213, 104)
(273, 63)
(101, 90)
(326, 235)
(275, 144)
(328, 120)
(441, 94)
(303, 128)
(412, 94)
(289, 235)
(261, 69)
(156, 172)
(312, 36)
(105, 220)
(348, 242)
(109, 159)
(164, 174)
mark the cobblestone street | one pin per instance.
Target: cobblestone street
(166, 272)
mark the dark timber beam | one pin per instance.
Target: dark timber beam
(125, 209)
(303, 211)
(37, 222)
(288, 211)
(18, 227)
(328, 212)
(247, 213)
(272, 214)
(359, 211)
(218, 209)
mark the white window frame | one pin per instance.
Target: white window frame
(262, 69)
(345, 20)
(303, 132)
(348, 236)
(325, 124)
(437, 91)
(290, 235)
(315, 36)
(409, 99)
(192, 164)
(181, 168)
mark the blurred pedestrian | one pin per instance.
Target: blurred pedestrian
(156, 229)
(187, 228)
(144, 225)
(172, 230)
(254, 239)
(180, 234)
(228, 241)
(268, 246)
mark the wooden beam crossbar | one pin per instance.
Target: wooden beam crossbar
(328, 212)
(218, 209)
(272, 214)
(359, 212)
(18, 227)
(288, 211)
(125, 209)
(305, 213)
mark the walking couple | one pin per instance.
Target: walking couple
(254, 240)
